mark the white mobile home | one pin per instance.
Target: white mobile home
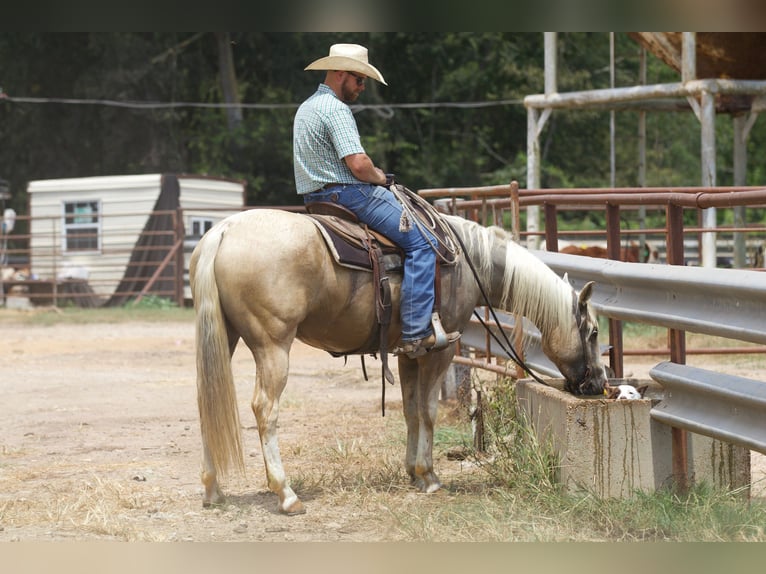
(119, 232)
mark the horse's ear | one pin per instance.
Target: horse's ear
(566, 278)
(586, 292)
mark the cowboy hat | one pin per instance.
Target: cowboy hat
(347, 58)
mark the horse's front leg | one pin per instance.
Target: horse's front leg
(271, 378)
(420, 382)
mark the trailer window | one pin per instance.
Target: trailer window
(81, 225)
(200, 226)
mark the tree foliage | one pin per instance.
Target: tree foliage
(441, 143)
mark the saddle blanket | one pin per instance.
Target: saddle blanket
(345, 240)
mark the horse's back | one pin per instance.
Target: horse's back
(264, 236)
(275, 275)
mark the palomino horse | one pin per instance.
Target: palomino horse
(266, 276)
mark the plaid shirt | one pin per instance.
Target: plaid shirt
(324, 132)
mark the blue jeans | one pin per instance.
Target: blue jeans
(378, 207)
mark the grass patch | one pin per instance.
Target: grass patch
(73, 315)
(514, 496)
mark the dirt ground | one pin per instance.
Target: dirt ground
(99, 439)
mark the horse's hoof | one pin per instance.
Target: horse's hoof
(294, 509)
(213, 503)
(433, 487)
(418, 483)
(215, 500)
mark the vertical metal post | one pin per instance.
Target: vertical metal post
(642, 148)
(612, 128)
(740, 178)
(518, 334)
(615, 325)
(688, 56)
(533, 137)
(707, 113)
(533, 177)
(677, 342)
(180, 259)
(515, 212)
(551, 228)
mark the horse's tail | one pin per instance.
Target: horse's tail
(216, 394)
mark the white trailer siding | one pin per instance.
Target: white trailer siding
(124, 202)
(124, 206)
(205, 201)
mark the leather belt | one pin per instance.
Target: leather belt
(329, 185)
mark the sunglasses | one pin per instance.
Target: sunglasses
(359, 79)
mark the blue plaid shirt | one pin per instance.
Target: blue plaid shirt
(324, 132)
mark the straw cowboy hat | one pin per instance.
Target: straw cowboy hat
(347, 58)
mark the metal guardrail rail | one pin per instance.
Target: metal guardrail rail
(718, 302)
(475, 337)
(727, 303)
(725, 407)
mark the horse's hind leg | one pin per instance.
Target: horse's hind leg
(213, 493)
(271, 378)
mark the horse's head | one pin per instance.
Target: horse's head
(574, 348)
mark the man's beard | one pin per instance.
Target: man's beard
(349, 96)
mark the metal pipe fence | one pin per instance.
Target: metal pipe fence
(727, 303)
(117, 262)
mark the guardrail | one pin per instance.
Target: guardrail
(720, 302)
(725, 303)
(724, 407)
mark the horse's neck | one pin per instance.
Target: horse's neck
(515, 280)
(532, 289)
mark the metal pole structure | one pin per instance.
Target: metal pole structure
(707, 113)
(689, 57)
(535, 125)
(740, 178)
(642, 147)
(615, 325)
(677, 343)
(612, 129)
(533, 177)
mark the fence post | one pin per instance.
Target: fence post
(518, 335)
(677, 343)
(615, 325)
(180, 263)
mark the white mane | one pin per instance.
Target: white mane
(530, 288)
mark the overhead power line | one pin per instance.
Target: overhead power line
(269, 106)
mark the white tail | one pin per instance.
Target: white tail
(216, 394)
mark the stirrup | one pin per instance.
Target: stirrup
(442, 339)
(436, 341)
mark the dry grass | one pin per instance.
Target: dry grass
(344, 460)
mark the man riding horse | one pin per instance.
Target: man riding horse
(331, 166)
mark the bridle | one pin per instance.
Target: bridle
(576, 386)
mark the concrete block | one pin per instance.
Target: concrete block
(613, 448)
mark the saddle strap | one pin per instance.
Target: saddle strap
(438, 288)
(383, 313)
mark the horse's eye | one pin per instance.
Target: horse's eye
(594, 333)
